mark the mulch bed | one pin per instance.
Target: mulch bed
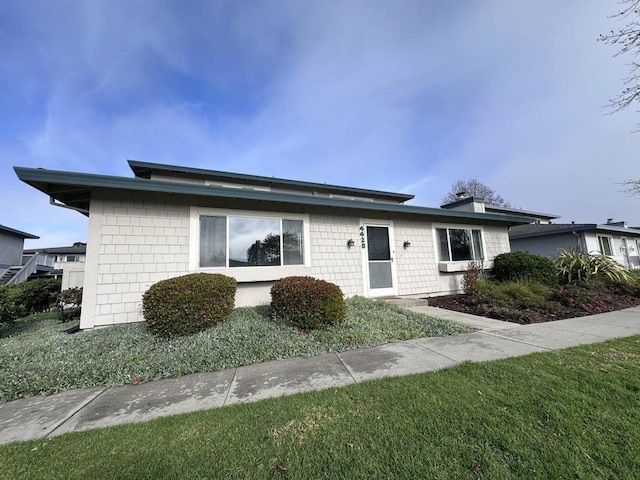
(549, 312)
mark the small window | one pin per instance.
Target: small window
(605, 245)
(459, 244)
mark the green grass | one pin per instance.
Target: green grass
(36, 357)
(565, 414)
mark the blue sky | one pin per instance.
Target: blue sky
(405, 96)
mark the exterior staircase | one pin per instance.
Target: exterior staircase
(8, 274)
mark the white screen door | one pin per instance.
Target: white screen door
(379, 261)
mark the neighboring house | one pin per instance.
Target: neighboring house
(16, 267)
(169, 220)
(68, 260)
(614, 239)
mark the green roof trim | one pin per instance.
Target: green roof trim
(145, 169)
(74, 189)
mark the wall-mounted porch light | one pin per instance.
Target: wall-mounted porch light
(350, 243)
(406, 244)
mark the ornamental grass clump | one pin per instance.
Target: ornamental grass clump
(308, 303)
(188, 304)
(585, 267)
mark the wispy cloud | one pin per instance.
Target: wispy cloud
(409, 96)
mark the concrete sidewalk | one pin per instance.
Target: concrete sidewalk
(84, 409)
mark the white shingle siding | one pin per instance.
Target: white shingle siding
(138, 239)
(416, 265)
(331, 259)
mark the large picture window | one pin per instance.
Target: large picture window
(458, 244)
(244, 241)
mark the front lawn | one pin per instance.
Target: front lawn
(563, 414)
(37, 357)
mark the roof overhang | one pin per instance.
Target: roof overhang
(18, 233)
(74, 190)
(147, 169)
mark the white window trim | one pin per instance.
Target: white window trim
(448, 266)
(600, 249)
(247, 274)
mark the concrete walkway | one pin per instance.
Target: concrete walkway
(83, 409)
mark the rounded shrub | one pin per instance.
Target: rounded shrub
(308, 303)
(188, 304)
(516, 266)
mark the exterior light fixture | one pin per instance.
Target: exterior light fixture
(350, 243)
(406, 244)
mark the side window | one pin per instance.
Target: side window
(459, 244)
(605, 245)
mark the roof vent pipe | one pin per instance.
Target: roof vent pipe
(609, 220)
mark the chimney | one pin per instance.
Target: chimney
(609, 221)
(461, 195)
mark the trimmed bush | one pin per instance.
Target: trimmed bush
(188, 304)
(308, 303)
(514, 266)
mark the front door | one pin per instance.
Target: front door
(379, 260)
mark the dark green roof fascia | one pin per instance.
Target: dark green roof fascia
(35, 176)
(517, 211)
(18, 233)
(144, 169)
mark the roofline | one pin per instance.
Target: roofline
(56, 250)
(35, 176)
(462, 201)
(550, 216)
(19, 233)
(488, 206)
(577, 228)
(140, 170)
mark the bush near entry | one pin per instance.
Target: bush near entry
(308, 303)
(514, 266)
(188, 304)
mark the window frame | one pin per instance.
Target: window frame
(600, 244)
(470, 229)
(249, 272)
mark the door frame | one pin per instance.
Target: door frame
(377, 292)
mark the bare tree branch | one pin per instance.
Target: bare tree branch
(632, 187)
(474, 188)
(627, 39)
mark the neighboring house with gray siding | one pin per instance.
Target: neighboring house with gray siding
(614, 239)
(168, 221)
(15, 267)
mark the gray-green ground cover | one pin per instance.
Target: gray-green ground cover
(38, 357)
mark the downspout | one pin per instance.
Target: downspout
(580, 243)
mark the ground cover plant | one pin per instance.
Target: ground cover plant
(37, 357)
(563, 414)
